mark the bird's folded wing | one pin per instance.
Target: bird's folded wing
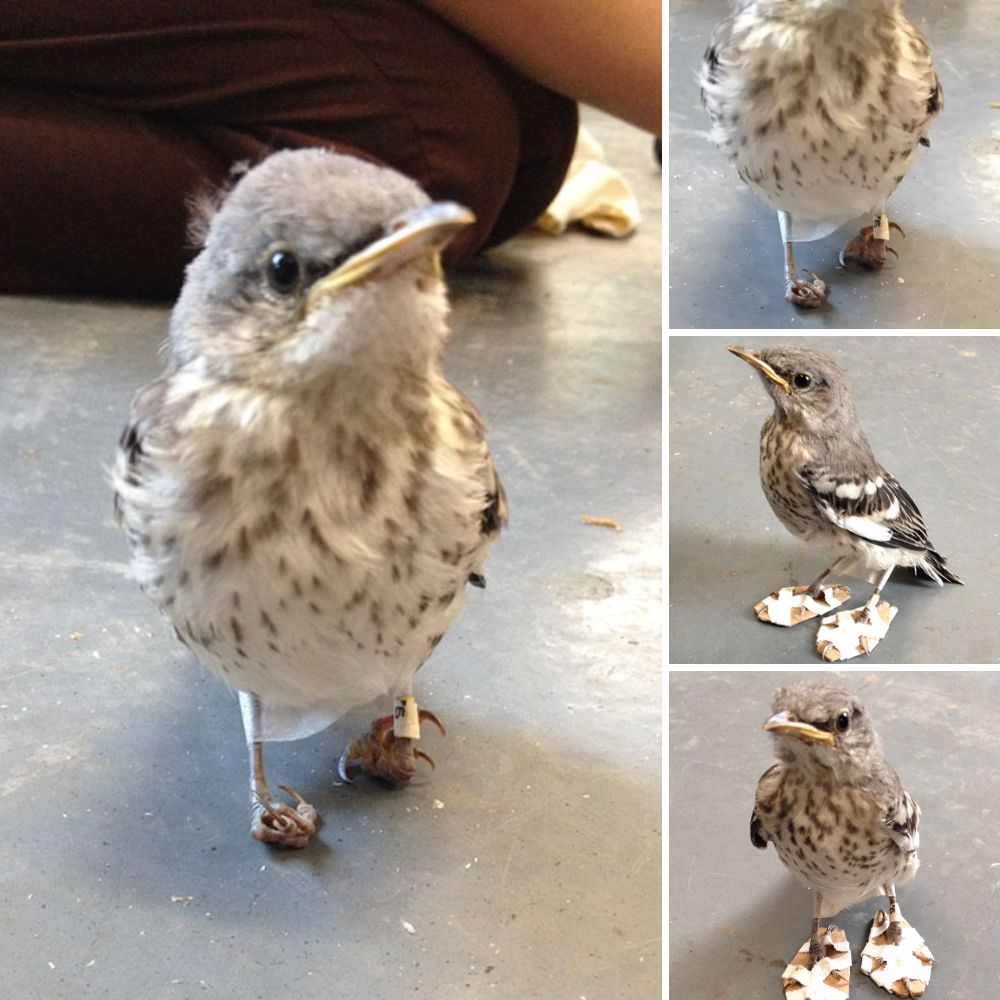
(903, 817)
(874, 508)
(768, 788)
(134, 462)
(757, 836)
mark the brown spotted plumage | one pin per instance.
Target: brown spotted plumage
(822, 480)
(833, 807)
(821, 105)
(304, 493)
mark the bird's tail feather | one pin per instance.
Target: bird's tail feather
(933, 568)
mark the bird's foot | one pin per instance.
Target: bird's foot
(805, 294)
(869, 250)
(850, 633)
(384, 755)
(277, 822)
(901, 966)
(792, 605)
(805, 979)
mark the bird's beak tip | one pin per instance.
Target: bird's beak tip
(416, 233)
(753, 358)
(783, 725)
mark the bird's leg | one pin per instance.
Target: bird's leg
(895, 956)
(894, 931)
(798, 291)
(816, 949)
(870, 246)
(388, 751)
(816, 587)
(272, 820)
(792, 605)
(871, 605)
(822, 967)
(850, 633)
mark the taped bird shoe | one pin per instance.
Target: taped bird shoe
(828, 979)
(904, 969)
(850, 633)
(792, 605)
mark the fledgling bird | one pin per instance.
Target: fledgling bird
(841, 822)
(304, 493)
(821, 105)
(824, 484)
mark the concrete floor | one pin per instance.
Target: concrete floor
(737, 916)
(528, 864)
(726, 256)
(930, 407)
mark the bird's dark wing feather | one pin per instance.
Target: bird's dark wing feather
(767, 789)
(714, 66)
(493, 516)
(876, 509)
(903, 817)
(757, 837)
(131, 459)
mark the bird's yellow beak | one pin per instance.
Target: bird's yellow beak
(785, 726)
(762, 366)
(422, 231)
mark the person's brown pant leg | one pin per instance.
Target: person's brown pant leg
(112, 116)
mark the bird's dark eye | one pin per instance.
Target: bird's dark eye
(844, 719)
(283, 271)
(802, 380)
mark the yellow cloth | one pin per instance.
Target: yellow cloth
(593, 194)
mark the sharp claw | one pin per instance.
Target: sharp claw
(291, 791)
(266, 806)
(892, 250)
(382, 754)
(805, 296)
(431, 717)
(382, 729)
(898, 228)
(346, 759)
(281, 822)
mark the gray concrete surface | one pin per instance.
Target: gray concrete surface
(737, 916)
(527, 864)
(726, 255)
(930, 407)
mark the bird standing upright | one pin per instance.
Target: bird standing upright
(304, 493)
(841, 822)
(823, 483)
(821, 105)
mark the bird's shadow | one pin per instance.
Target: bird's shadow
(720, 577)
(499, 272)
(911, 290)
(748, 959)
(744, 960)
(183, 827)
(747, 569)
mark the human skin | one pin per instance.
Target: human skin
(607, 55)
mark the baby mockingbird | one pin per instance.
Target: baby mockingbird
(304, 493)
(824, 484)
(821, 105)
(841, 822)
